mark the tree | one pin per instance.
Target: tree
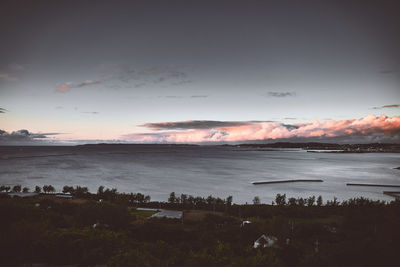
(51, 189)
(229, 200)
(319, 201)
(80, 191)
(280, 199)
(68, 189)
(311, 201)
(16, 188)
(256, 200)
(191, 200)
(184, 198)
(301, 201)
(38, 189)
(109, 194)
(100, 191)
(25, 190)
(210, 200)
(45, 189)
(139, 198)
(2, 188)
(48, 188)
(172, 198)
(333, 203)
(292, 201)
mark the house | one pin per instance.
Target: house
(245, 223)
(266, 242)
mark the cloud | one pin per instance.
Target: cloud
(170, 96)
(68, 85)
(367, 128)
(281, 94)
(156, 75)
(86, 83)
(195, 124)
(387, 106)
(22, 136)
(391, 106)
(182, 96)
(91, 112)
(199, 96)
(13, 72)
(63, 88)
(17, 67)
(178, 83)
(123, 76)
(8, 77)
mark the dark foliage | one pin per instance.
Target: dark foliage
(89, 232)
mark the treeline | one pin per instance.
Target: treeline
(107, 194)
(281, 201)
(188, 201)
(18, 189)
(185, 201)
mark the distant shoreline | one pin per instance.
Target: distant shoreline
(314, 147)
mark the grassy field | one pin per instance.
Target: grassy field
(142, 214)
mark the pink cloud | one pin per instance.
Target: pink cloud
(63, 88)
(367, 126)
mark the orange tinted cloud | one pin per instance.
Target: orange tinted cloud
(63, 88)
(370, 125)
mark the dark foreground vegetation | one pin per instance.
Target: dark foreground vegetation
(106, 229)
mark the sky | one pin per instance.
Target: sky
(199, 71)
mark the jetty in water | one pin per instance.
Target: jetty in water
(378, 185)
(288, 181)
(395, 194)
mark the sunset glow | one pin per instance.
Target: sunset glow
(370, 125)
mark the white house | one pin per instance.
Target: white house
(266, 241)
(244, 223)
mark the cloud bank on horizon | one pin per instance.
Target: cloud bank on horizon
(370, 128)
(22, 137)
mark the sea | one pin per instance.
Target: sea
(220, 171)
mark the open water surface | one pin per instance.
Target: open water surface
(158, 170)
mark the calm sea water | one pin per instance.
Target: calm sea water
(200, 171)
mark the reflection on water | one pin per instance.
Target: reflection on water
(200, 170)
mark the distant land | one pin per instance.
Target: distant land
(329, 147)
(309, 146)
